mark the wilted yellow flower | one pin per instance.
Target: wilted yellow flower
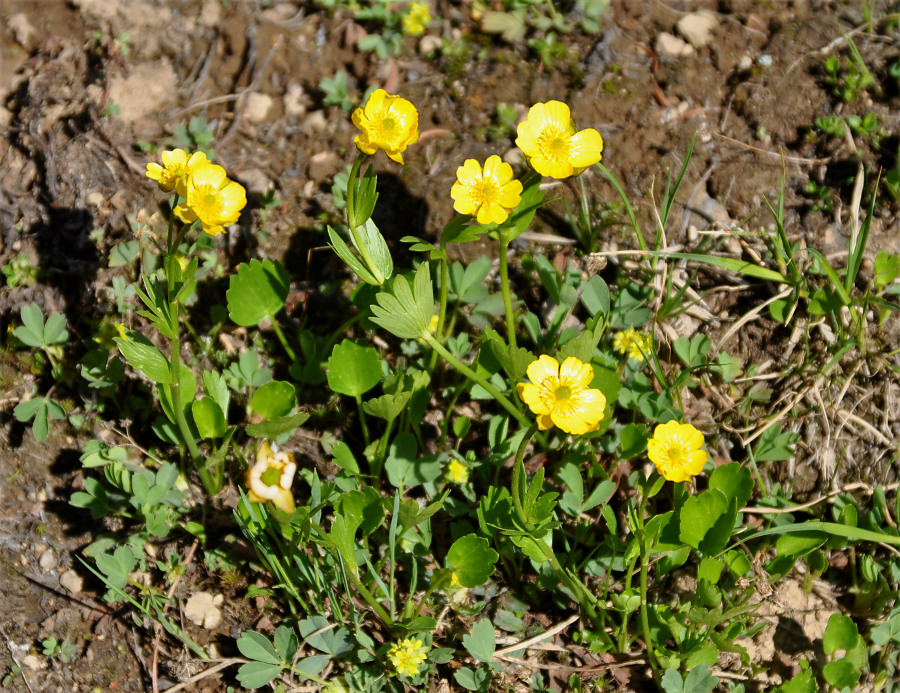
(489, 195)
(407, 656)
(675, 450)
(270, 479)
(457, 472)
(561, 395)
(454, 579)
(553, 147)
(212, 198)
(636, 344)
(176, 167)
(416, 19)
(387, 122)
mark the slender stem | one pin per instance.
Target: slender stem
(472, 375)
(504, 288)
(283, 340)
(370, 599)
(645, 562)
(518, 474)
(362, 419)
(585, 232)
(442, 303)
(381, 453)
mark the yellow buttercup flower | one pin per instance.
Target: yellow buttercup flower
(271, 478)
(407, 656)
(675, 450)
(636, 344)
(387, 122)
(489, 195)
(416, 19)
(212, 198)
(560, 395)
(553, 146)
(457, 472)
(176, 167)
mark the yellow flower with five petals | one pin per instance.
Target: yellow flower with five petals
(675, 449)
(549, 140)
(488, 194)
(560, 395)
(416, 20)
(387, 122)
(212, 198)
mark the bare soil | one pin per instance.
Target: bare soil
(75, 102)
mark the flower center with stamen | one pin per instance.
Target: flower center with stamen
(209, 200)
(271, 477)
(563, 393)
(388, 124)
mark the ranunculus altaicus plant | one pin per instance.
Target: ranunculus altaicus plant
(560, 395)
(676, 450)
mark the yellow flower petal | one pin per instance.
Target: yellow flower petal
(488, 194)
(585, 148)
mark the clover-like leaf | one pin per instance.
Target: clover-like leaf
(472, 559)
(257, 292)
(274, 400)
(353, 369)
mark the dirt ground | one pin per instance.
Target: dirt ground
(84, 82)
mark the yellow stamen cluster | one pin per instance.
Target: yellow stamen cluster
(416, 20)
(457, 472)
(408, 656)
(635, 344)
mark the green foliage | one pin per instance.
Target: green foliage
(257, 292)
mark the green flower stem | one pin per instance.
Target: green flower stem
(610, 176)
(504, 288)
(584, 218)
(212, 484)
(209, 482)
(362, 419)
(281, 338)
(362, 591)
(645, 563)
(473, 376)
(518, 474)
(381, 453)
(442, 303)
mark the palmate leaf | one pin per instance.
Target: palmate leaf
(406, 310)
(257, 292)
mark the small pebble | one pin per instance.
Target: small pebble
(72, 581)
(47, 560)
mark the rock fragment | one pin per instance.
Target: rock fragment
(697, 27)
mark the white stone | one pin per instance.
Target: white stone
(314, 123)
(294, 104)
(697, 27)
(670, 46)
(255, 181)
(429, 44)
(201, 608)
(34, 662)
(257, 108)
(72, 581)
(22, 29)
(211, 14)
(145, 91)
(47, 560)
